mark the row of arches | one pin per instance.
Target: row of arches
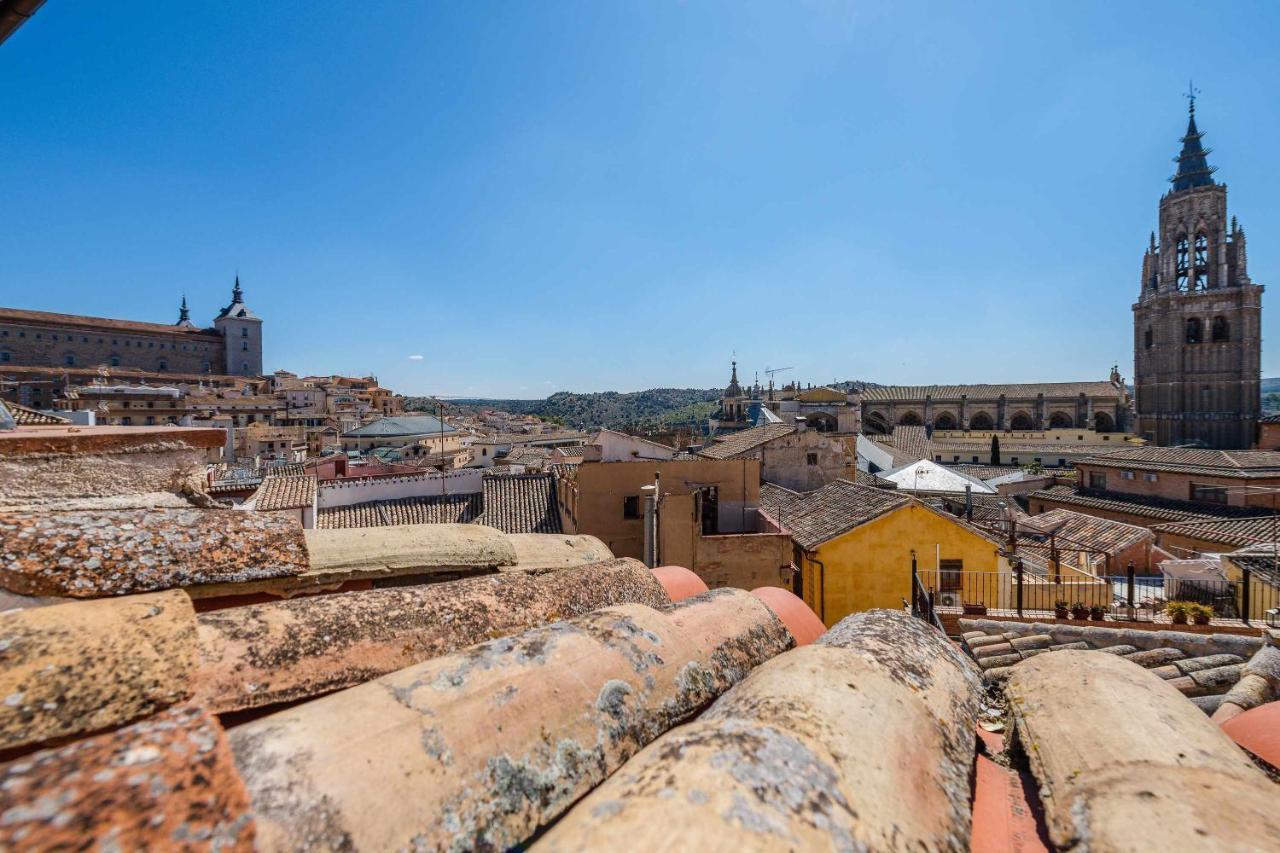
(982, 421)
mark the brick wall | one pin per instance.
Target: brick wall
(42, 345)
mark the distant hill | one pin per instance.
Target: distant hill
(1271, 395)
(657, 408)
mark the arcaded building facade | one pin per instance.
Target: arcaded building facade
(232, 346)
(1197, 322)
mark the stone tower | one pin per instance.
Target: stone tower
(241, 332)
(1197, 322)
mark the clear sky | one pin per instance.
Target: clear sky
(541, 196)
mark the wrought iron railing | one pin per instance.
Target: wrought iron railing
(1252, 599)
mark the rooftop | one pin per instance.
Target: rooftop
(406, 425)
(1157, 509)
(1230, 532)
(286, 492)
(822, 515)
(990, 392)
(745, 441)
(1222, 463)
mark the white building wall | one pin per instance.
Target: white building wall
(359, 490)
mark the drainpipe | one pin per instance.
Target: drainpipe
(822, 586)
(650, 519)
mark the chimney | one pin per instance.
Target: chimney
(801, 423)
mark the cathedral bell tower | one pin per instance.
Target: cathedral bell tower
(1197, 322)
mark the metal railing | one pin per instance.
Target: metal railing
(1251, 599)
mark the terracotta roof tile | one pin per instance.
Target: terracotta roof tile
(822, 515)
(165, 783)
(515, 503)
(1222, 463)
(285, 493)
(980, 392)
(95, 553)
(1232, 532)
(1159, 509)
(27, 416)
(745, 441)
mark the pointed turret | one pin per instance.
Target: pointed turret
(734, 389)
(237, 295)
(1193, 166)
(184, 316)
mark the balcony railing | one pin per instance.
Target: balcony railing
(1250, 600)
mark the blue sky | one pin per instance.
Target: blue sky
(605, 195)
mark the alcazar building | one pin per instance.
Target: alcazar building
(232, 346)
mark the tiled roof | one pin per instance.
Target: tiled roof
(990, 392)
(822, 515)
(1010, 447)
(1160, 509)
(745, 441)
(1087, 531)
(527, 456)
(288, 469)
(27, 416)
(1261, 559)
(987, 472)
(1235, 532)
(518, 503)
(911, 440)
(521, 504)
(279, 492)
(1221, 463)
(15, 315)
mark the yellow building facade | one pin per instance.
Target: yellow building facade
(869, 566)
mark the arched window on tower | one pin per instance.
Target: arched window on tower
(1194, 333)
(1202, 262)
(1182, 262)
(1148, 338)
(1221, 330)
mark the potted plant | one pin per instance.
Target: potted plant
(1079, 611)
(971, 609)
(1200, 613)
(1177, 611)
(1097, 613)
(1060, 610)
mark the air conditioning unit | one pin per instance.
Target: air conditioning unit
(948, 599)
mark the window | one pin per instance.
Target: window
(151, 421)
(950, 577)
(5, 357)
(164, 365)
(244, 367)
(1062, 463)
(1194, 332)
(1221, 331)
(1097, 480)
(1014, 461)
(244, 332)
(1147, 338)
(1150, 477)
(115, 361)
(812, 459)
(1208, 494)
(631, 506)
(1181, 265)
(69, 360)
(1126, 475)
(126, 421)
(1202, 262)
(244, 346)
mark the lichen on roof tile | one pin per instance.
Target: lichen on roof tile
(117, 552)
(165, 783)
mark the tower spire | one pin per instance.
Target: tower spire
(184, 316)
(1193, 166)
(237, 295)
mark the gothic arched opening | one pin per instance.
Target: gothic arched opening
(1021, 421)
(1103, 422)
(910, 419)
(1195, 333)
(1221, 330)
(982, 421)
(1202, 262)
(944, 421)
(1061, 420)
(820, 421)
(1182, 264)
(875, 424)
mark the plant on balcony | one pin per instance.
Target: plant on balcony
(1200, 613)
(1178, 611)
(1097, 614)
(1079, 611)
(1061, 610)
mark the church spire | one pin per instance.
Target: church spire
(184, 316)
(734, 389)
(237, 295)
(1193, 166)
